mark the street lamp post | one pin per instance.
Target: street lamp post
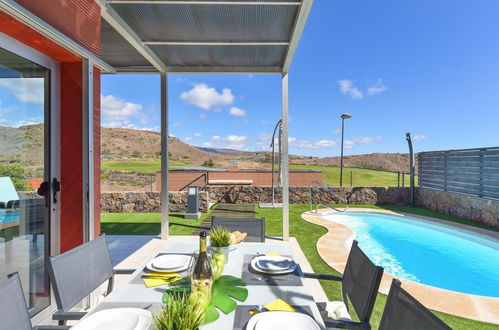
(343, 117)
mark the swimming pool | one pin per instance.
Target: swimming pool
(426, 252)
(8, 216)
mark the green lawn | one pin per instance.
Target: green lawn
(139, 165)
(147, 223)
(360, 177)
(306, 233)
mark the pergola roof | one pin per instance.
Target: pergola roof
(257, 36)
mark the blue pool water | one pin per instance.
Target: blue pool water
(8, 216)
(428, 253)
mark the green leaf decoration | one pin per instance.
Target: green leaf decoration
(182, 286)
(224, 288)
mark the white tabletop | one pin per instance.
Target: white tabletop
(258, 294)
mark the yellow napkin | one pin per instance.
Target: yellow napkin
(272, 254)
(280, 305)
(152, 282)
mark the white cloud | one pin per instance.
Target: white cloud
(336, 131)
(203, 116)
(362, 140)
(377, 88)
(26, 90)
(231, 141)
(348, 88)
(308, 144)
(205, 97)
(419, 137)
(119, 113)
(176, 125)
(198, 134)
(207, 144)
(189, 138)
(153, 129)
(234, 111)
(264, 122)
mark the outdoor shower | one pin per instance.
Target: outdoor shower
(411, 166)
(272, 145)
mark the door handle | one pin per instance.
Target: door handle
(56, 187)
(43, 190)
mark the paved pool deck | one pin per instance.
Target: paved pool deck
(334, 248)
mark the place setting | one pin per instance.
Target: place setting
(164, 269)
(273, 315)
(271, 269)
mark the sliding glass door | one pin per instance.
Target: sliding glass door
(25, 175)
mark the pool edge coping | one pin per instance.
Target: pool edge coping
(334, 247)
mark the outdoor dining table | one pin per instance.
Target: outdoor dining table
(260, 291)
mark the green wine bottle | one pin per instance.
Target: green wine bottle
(202, 274)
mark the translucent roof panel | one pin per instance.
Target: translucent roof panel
(123, 55)
(209, 22)
(202, 35)
(211, 58)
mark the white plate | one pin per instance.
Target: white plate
(273, 263)
(151, 267)
(170, 261)
(277, 272)
(116, 318)
(281, 320)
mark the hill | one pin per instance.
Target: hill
(391, 162)
(24, 145)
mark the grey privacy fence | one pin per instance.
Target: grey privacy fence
(468, 171)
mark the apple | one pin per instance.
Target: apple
(214, 268)
(217, 268)
(200, 298)
(220, 256)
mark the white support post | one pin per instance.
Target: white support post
(165, 204)
(88, 149)
(284, 159)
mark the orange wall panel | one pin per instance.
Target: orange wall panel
(71, 156)
(77, 19)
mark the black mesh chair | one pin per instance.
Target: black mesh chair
(403, 311)
(77, 273)
(13, 311)
(359, 286)
(255, 228)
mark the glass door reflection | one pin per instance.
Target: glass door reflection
(24, 165)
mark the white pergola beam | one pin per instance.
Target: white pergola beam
(284, 158)
(237, 3)
(303, 13)
(165, 202)
(115, 20)
(215, 43)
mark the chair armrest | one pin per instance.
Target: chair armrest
(340, 324)
(123, 271)
(68, 316)
(52, 327)
(322, 277)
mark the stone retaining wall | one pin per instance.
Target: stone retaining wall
(141, 202)
(149, 201)
(476, 209)
(301, 195)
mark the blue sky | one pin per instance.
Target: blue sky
(427, 67)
